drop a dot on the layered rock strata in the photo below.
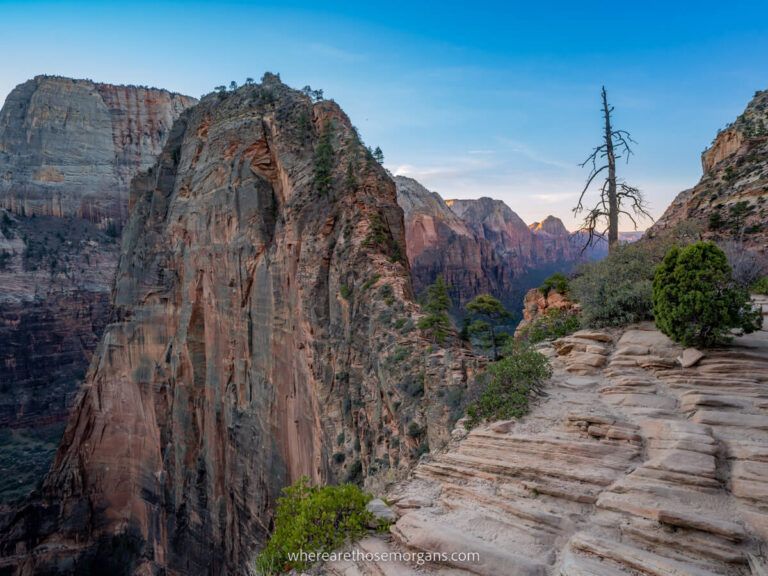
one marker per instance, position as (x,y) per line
(440,243)
(68,149)
(630,465)
(730,202)
(264,330)
(480,246)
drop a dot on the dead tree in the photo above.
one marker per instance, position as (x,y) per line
(616,196)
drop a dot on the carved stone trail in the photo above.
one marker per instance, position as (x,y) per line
(630,465)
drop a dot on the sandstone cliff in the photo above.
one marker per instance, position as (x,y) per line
(264,329)
(440,243)
(629,465)
(729,202)
(480,246)
(68,149)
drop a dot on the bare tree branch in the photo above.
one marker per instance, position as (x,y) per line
(616,197)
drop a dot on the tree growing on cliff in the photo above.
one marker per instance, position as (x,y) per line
(233,85)
(378,155)
(314,95)
(616,196)
(324,160)
(695,299)
(436,305)
(487,315)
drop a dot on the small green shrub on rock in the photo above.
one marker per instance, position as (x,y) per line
(313,519)
(760,287)
(510,382)
(695,299)
(557,282)
(618,290)
(556,323)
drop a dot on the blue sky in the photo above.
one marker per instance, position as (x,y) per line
(472,99)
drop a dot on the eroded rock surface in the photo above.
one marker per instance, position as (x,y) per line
(729,202)
(264,330)
(481,246)
(440,243)
(632,465)
(68,149)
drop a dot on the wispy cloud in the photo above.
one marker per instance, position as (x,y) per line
(527,152)
(319,48)
(481,152)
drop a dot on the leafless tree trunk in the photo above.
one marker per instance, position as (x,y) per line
(613,192)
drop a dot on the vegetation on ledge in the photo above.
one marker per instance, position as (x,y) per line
(313,519)
(510,382)
(695,299)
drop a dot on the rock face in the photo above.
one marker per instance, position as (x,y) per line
(536,304)
(440,243)
(479,246)
(263,331)
(545,245)
(630,465)
(730,200)
(68,149)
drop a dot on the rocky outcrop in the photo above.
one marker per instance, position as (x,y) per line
(480,246)
(495,222)
(729,202)
(70,147)
(630,465)
(537,304)
(440,243)
(264,330)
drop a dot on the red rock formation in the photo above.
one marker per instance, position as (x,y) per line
(730,200)
(263,330)
(68,149)
(440,243)
(499,225)
(537,304)
(552,242)
(480,246)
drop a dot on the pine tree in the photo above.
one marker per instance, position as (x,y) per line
(487,313)
(436,304)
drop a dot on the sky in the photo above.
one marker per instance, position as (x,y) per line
(472,99)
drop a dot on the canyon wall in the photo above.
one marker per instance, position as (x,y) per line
(68,149)
(730,202)
(481,246)
(263,330)
(440,243)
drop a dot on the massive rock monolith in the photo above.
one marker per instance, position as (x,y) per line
(264,330)
(68,149)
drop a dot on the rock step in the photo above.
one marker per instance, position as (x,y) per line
(632,560)
(578,451)
(453,496)
(673,513)
(420,531)
(588,470)
(697,544)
